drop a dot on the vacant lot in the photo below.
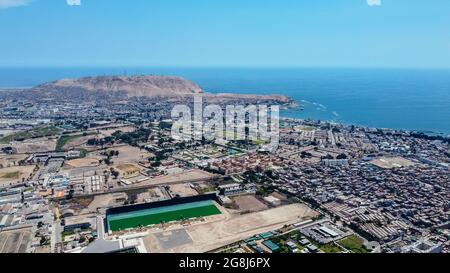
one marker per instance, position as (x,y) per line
(249,203)
(182,190)
(232,228)
(354,244)
(35,133)
(105,201)
(173,178)
(68,142)
(9,160)
(128,168)
(37,145)
(391,162)
(15,241)
(160,215)
(109,132)
(129,154)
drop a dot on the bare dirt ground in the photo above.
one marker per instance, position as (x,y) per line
(15,174)
(131,154)
(104,201)
(189,175)
(83,162)
(15,241)
(392,162)
(35,145)
(76,142)
(228,229)
(109,132)
(249,203)
(127,154)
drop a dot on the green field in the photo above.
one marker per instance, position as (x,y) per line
(160,215)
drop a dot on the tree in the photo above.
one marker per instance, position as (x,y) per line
(115,173)
(43,241)
(108,162)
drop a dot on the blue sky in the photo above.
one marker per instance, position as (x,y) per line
(255,33)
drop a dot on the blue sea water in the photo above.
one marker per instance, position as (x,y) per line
(410,99)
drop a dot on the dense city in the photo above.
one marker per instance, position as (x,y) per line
(104,177)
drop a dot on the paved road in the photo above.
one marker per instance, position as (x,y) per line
(100,228)
(56,239)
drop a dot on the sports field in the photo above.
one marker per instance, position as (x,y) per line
(134,219)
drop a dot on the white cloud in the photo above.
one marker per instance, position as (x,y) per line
(374,2)
(74,2)
(6,4)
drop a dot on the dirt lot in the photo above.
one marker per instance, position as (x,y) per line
(83,162)
(230,228)
(15,241)
(249,203)
(8,160)
(128,154)
(189,175)
(35,145)
(15,174)
(183,190)
(391,162)
(105,201)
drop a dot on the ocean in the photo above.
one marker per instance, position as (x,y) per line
(410,99)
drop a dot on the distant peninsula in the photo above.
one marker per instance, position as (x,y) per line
(128,87)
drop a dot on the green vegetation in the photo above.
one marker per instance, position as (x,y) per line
(83,153)
(34,133)
(354,244)
(206,190)
(330,248)
(63,141)
(151,218)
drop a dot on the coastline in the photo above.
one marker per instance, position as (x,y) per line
(407,131)
(400,99)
